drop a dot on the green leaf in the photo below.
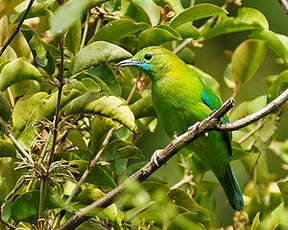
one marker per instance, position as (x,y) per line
(69,13)
(95,54)
(18,70)
(8,55)
(283,186)
(246,59)
(26,87)
(41,9)
(90,195)
(97,176)
(119,149)
(118,29)
(73,37)
(175,5)
(5,111)
(156,36)
(133,10)
(247,19)
(278,43)
(196,12)
(186,221)
(256,222)
(228,76)
(7,149)
(151,9)
(187,30)
(144,106)
(100,104)
(36,46)
(25,206)
(76,138)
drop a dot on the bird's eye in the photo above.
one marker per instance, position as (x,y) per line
(148,57)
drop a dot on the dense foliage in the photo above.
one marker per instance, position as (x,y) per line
(75,115)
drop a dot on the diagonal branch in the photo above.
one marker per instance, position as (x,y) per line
(15,32)
(211,123)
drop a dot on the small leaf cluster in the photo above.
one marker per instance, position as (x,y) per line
(59,74)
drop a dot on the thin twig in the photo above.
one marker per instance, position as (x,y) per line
(10,96)
(10,226)
(211,123)
(85,30)
(134,88)
(17,29)
(244,138)
(185,180)
(182,45)
(91,165)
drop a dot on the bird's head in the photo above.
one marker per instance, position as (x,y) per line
(152,60)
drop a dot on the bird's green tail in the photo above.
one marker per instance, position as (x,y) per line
(231,188)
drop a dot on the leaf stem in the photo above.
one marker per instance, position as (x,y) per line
(85,30)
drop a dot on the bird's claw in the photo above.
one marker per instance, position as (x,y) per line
(194,127)
(155,156)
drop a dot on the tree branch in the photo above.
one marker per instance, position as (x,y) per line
(211,123)
(17,29)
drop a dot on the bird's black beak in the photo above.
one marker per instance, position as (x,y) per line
(128,62)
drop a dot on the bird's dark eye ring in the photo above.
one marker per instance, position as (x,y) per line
(148,57)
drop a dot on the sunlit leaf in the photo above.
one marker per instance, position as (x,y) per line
(118,29)
(247,19)
(18,70)
(87,196)
(151,9)
(97,53)
(157,36)
(283,186)
(196,12)
(256,222)
(186,221)
(73,37)
(100,104)
(246,59)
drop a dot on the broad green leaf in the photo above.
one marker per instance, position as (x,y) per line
(91,85)
(283,186)
(25,206)
(151,9)
(187,30)
(25,87)
(278,43)
(36,46)
(118,29)
(187,221)
(18,70)
(205,195)
(37,10)
(73,37)
(228,76)
(99,127)
(105,77)
(246,59)
(88,196)
(76,138)
(247,19)
(256,222)
(97,53)
(196,12)
(131,9)
(144,106)
(97,176)
(156,36)
(119,149)
(5,111)
(8,55)
(69,13)
(25,108)
(7,149)
(103,105)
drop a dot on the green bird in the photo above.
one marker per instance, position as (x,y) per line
(181,98)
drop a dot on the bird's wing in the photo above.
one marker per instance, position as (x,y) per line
(212,101)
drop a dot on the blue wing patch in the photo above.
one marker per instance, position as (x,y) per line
(213,102)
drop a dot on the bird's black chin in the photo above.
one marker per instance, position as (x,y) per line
(128,62)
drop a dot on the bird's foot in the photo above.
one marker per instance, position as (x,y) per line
(155,156)
(194,127)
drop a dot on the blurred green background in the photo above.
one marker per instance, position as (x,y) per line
(211,59)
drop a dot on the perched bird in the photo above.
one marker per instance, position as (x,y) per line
(180,99)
